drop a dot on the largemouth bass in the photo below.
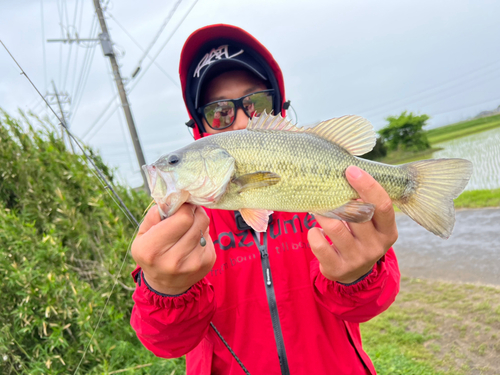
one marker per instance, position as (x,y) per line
(274,165)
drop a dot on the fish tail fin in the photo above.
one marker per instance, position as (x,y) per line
(430,198)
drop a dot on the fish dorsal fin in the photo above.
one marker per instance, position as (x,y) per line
(269,122)
(353,133)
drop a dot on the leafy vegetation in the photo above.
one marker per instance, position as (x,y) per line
(62,244)
(379,151)
(403,136)
(405,132)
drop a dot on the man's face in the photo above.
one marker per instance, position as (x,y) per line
(232,85)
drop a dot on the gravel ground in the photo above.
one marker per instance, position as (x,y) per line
(470,255)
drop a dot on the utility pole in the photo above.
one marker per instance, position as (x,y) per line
(63,117)
(60,98)
(107,49)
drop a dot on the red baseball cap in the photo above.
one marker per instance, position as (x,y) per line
(213,49)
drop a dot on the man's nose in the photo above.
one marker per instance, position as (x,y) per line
(241,121)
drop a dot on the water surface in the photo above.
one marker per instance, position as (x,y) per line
(483,150)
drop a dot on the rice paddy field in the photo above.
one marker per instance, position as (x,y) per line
(483,150)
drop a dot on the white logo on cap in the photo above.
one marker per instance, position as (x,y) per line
(215,54)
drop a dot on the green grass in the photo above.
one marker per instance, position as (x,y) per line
(462,129)
(478,199)
(436,328)
(475,199)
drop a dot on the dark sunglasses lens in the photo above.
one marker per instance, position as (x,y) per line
(219,115)
(257,103)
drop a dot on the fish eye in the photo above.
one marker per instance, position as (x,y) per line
(173,160)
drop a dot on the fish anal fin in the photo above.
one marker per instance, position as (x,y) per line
(353,212)
(257,219)
(256,180)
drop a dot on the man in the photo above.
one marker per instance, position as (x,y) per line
(287,301)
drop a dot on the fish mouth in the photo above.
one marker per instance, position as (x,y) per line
(164,190)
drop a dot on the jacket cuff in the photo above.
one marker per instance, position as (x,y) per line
(324,285)
(358,280)
(168,301)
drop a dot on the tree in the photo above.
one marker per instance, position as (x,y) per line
(378,151)
(405,132)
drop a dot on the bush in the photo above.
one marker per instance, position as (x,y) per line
(405,132)
(378,151)
(62,243)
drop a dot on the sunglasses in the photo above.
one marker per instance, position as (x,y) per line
(222,113)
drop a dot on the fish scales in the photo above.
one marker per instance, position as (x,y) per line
(312,171)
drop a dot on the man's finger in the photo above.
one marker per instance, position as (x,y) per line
(171,228)
(319,244)
(370,191)
(151,219)
(339,234)
(190,240)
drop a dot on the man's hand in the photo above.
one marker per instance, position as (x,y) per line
(356,247)
(169,251)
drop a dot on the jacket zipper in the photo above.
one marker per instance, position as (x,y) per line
(271,300)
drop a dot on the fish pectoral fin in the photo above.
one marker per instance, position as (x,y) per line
(256,180)
(353,212)
(257,219)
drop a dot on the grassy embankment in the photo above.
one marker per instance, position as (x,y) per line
(468,199)
(437,328)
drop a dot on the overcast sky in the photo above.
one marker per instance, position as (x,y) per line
(373,58)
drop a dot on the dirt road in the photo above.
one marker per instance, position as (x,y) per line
(471,254)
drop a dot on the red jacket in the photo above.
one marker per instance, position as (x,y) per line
(318,318)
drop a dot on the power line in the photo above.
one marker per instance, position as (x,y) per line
(142,49)
(87,63)
(43,46)
(378,108)
(77,32)
(62,36)
(83,81)
(101,115)
(432,100)
(75,13)
(142,74)
(65,6)
(442,97)
(162,27)
(109,106)
(469,106)
(163,46)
